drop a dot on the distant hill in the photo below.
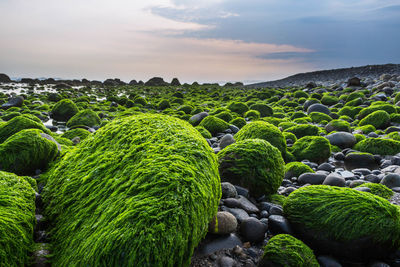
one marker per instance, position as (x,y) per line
(334,75)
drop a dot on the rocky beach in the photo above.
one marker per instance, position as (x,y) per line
(304,171)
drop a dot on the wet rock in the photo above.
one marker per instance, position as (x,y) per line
(342,139)
(13,102)
(391,180)
(328,261)
(226,140)
(318,108)
(334,180)
(252,230)
(197,118)
(311,178)
(278,224)
(223,223)
(239,214)
(228,190)
(224,242)
(360,160)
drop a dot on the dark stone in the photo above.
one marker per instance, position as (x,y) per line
(326,167)
(318,108)
(197,118)
(334,179)
(228,190)
(339,156)
(252,230)
(175,82)
(226,223)
(363,171)
(327,261)
(372,178)
(52,128)
(342,139)
(276,210)
(239,214)
(226,262)
(224,242)
(156,81)
(13,102)
(234,128)
(4,78)
(363,189)
(357,160)
(311,178)
(391,180)
(242,191)
(354,82)
(278,224)
(247,205)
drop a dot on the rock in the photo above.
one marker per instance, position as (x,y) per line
(242,191)
(326,167)
(156,81)
(334,179)
(247,205)
(391,180)
(385,77)
(328,261)
(278,224)
(226,262)
(354,82)
(363,189)
(252,230)
(51,138)
(226,140)
(4,78)
(232,203)
(339,156)
(225,242)
(342,139)
(276,210)
(362,171)
(197,118)
(356,160)
(228,190)
(378,264)
(311,178)
(318,108)
(372,178)
(234,128)
(13,102)
(76,140)
(226,223)
(239,214)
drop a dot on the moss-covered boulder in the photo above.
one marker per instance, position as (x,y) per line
(343,221)
(378,189)
(140,192)
(81,133)
(263,130)
(378,146)
(63,110)
(17,219)
(295,169)
(27,151)
(85,117)
(314,148)
(214,125)
(254,164)
(380,119)
(286,250)
(303,130)
(17,124)
(238,107)
(264,109)
(338,125)
(238,122)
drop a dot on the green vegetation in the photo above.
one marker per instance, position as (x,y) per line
(214,125)
(378,146)
(139,192)
(286,250)
(81,133)
(17,124)
(314,148)
(295,169)
(254,164)
(85,117)
(380,119)
(379,190)
(238,107)
(338,125)
(303,130)
(63,110)
(264,109)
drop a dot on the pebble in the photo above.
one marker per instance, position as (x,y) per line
(252,230)
(391,180)
(334,179)
(226,223)
(311,178)
(278,224)
(228,190)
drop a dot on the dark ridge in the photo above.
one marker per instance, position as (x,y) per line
(334,75)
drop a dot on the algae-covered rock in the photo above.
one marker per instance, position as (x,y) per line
(17,218)
(380,119)
(140,192)
(85,117)
(63,110)
(378,146)
(27,151)
(313,148)
(214,125)
(343,221)
(295,169)
(379,190)
(17,124)
(263,130)
(254,164)
(303,130)
(81,133)
(286,250)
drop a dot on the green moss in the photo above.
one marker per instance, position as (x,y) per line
(286,250)
(17,219)
(85,117)
(303,130)
(395,118)
(318,117)
(27,151)
(17,124)
(264,109)
(238,107)
(276,199)
(366,129)
(386,107)
(299,94)
(297,115)
(139,192)
(314,148)
(9,115)
(265,131)
(304,120)
(204,132)
(379,190)
(295,169)
(359,137)
(349,111)
(252,114)
(379,146)
(163,104)
(338,125)
(63,110)
(186,108)
(254,164)
(355,95)
(329,100)
(289,135)
(344,214)
(224,115)
(214,125)
(81,133)
(238,122)
(286,125)
(380,119)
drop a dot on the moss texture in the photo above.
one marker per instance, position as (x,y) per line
(344,214)
(319,117)
(254,164)
(238,122)
(380,119)
(263,130)
(27,151)
(140,192)
(338,125)
(204,132)
(264,109)
(314,148)
(286,250)
(214,125)
(386,107)
(63,110)
(295,169)
(81,133)
(17,218)
(378,146)
(303,130)
(252,114)
(17,124)
(379,190)
(85,117)
(238,107)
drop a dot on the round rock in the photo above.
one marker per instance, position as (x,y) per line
(252,230)
(342,139)
(223,223)
(391,180)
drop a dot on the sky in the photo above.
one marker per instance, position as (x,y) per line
(193,40)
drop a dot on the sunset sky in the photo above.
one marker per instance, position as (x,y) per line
(205,41)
